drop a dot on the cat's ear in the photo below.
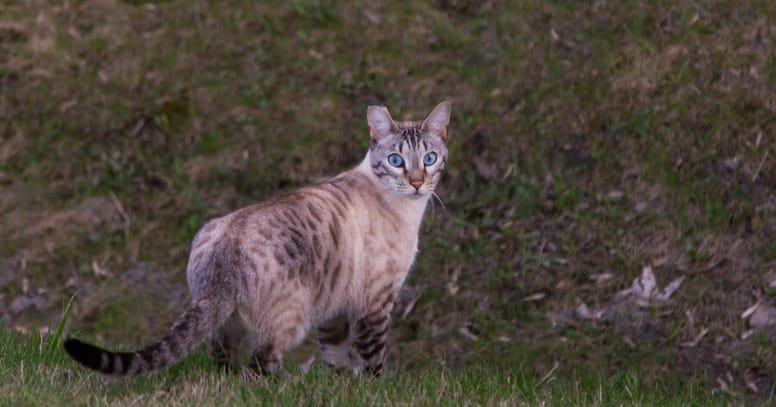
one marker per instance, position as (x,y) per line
(437,120)
(380,122)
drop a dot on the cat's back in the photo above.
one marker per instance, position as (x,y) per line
(290,231)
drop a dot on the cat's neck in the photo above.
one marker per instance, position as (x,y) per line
(411,207)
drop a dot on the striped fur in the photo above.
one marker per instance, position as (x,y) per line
(331,256)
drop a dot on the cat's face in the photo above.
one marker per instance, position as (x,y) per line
(409,157)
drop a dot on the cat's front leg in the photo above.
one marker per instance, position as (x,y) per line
(370,339)
(336,345)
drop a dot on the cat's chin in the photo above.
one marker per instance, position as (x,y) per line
(417,194)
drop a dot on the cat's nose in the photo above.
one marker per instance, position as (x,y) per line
(417,183)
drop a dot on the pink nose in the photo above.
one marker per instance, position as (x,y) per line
(417,184)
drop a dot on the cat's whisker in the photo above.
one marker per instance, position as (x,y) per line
(433,208)
(434,194)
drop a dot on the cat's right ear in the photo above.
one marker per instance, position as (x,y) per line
(380,122)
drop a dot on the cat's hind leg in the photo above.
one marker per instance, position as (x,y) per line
(226,343)
(267,360)
(267,357)
(283,328)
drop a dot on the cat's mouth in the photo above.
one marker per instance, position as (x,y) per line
(412,191)
(416,193)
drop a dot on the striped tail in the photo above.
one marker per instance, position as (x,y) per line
(191,329)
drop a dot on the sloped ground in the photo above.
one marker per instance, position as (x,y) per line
(589,141)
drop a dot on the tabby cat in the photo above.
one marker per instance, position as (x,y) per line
(331,256)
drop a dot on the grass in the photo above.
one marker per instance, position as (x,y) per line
(588,141)
(36,371)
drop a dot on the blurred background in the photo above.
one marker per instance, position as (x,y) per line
(608,205)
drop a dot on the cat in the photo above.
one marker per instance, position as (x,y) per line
(331,256)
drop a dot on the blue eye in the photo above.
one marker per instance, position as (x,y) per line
(395,160)
(430,158)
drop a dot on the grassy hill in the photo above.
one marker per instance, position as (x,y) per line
(589,140)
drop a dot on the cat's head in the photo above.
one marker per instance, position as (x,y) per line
(408,157)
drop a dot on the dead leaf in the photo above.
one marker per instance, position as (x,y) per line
(74,32)
(730,164)
(644,287)
(615,195)
(136,128)
(564,284)
(752,386)
(747,334)
(534,297)
(584,312)
(452,284)
(764,316)
(667,292)
(697,339)
(464,330)
(690,317)
(23,302)
(645,290)
(98,270)
(67,105)
(603,277)
(371,17)
(760,166)
(749,311)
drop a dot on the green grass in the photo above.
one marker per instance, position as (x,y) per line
(36,371)
(588,140)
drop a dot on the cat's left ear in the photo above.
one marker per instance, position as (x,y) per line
(437,121)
